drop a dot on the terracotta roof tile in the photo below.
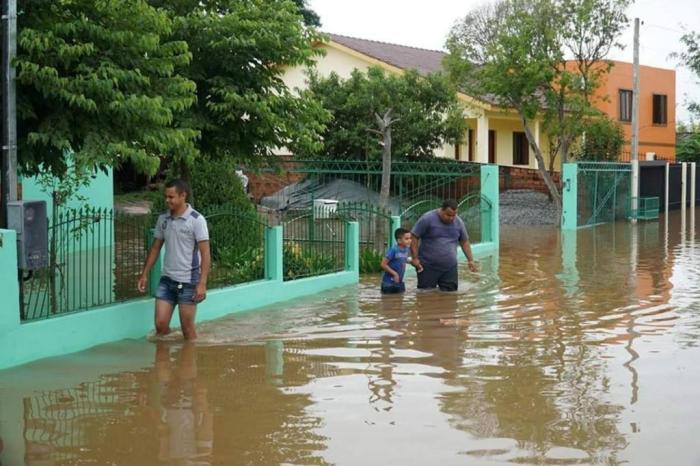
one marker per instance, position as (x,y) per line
(404,57)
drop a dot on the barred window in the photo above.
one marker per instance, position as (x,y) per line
(625,105)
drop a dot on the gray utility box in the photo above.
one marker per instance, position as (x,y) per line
(29,220)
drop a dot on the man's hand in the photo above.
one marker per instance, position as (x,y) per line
(143,280)
(397,279)
(416,263)
(473,266)
(200,292)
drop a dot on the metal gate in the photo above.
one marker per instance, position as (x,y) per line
(604,192)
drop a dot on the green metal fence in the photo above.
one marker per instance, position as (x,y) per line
(296,186)
(95,259)
(299,182)
(476,211)
(237,241)
(604,192)
(314,243)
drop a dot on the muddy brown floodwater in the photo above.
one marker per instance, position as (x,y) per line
(568,349)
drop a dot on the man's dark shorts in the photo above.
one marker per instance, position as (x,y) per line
(431,278)
(175,292)
(390,288)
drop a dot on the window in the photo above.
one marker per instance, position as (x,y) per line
(625,105)
(521,149)
(659,114)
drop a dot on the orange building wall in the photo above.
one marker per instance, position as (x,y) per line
(652,138)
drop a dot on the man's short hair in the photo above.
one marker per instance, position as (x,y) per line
(180,186)
(449,204)
(399,232)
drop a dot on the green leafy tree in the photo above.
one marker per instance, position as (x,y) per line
(691,58)
(99,80)
(425,112)
(688,148)
(239,51)
(411,116)
(514,52)
(311,18)
(602,141)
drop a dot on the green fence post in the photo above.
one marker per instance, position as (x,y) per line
(490,191)
(352,247)
(154,274)
(569,215)
(9,285)
(274,253)
(569,276)
(395,223)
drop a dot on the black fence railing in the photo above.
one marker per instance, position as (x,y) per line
(95,259)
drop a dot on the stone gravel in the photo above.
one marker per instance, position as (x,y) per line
(526,207)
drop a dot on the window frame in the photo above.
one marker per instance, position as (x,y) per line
(521,149)
(663,108)
(620,108)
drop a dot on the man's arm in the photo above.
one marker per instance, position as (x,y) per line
(150,260)
(414,253)
(467,250)
(204,251)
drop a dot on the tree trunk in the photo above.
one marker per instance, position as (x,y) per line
(384,124)
(385,128)
(541,167)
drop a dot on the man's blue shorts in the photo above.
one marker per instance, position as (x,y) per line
(175,292)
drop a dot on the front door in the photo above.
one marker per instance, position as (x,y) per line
(492,146)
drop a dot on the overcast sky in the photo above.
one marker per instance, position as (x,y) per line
(425,23)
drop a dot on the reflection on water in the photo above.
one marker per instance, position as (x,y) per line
(571,348)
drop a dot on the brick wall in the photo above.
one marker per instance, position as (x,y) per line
(524,178)
(266,184)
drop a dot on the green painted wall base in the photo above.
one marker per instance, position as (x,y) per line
(134,319)
(67,333)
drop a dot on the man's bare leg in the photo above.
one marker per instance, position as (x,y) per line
(187,313)
(164,312)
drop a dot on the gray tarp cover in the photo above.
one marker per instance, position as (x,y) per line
(301,195)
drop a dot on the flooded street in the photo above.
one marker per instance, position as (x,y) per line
(578,348)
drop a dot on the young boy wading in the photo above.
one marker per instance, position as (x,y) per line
(183,283)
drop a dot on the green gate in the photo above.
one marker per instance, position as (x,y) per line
(604,192)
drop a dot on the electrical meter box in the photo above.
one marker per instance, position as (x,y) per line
(29,220)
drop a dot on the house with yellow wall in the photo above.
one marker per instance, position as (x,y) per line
(494,134)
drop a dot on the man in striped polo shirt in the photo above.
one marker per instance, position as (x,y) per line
(183,281)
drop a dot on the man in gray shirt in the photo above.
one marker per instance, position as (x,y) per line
(434,249)
(183,281)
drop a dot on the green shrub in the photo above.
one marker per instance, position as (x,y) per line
(236,239)
(233,267)
(214,183)
(602,142)
(305,262)
(370,261)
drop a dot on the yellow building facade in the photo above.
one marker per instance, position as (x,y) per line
(494,134)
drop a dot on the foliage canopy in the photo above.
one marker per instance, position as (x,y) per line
(425,108)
